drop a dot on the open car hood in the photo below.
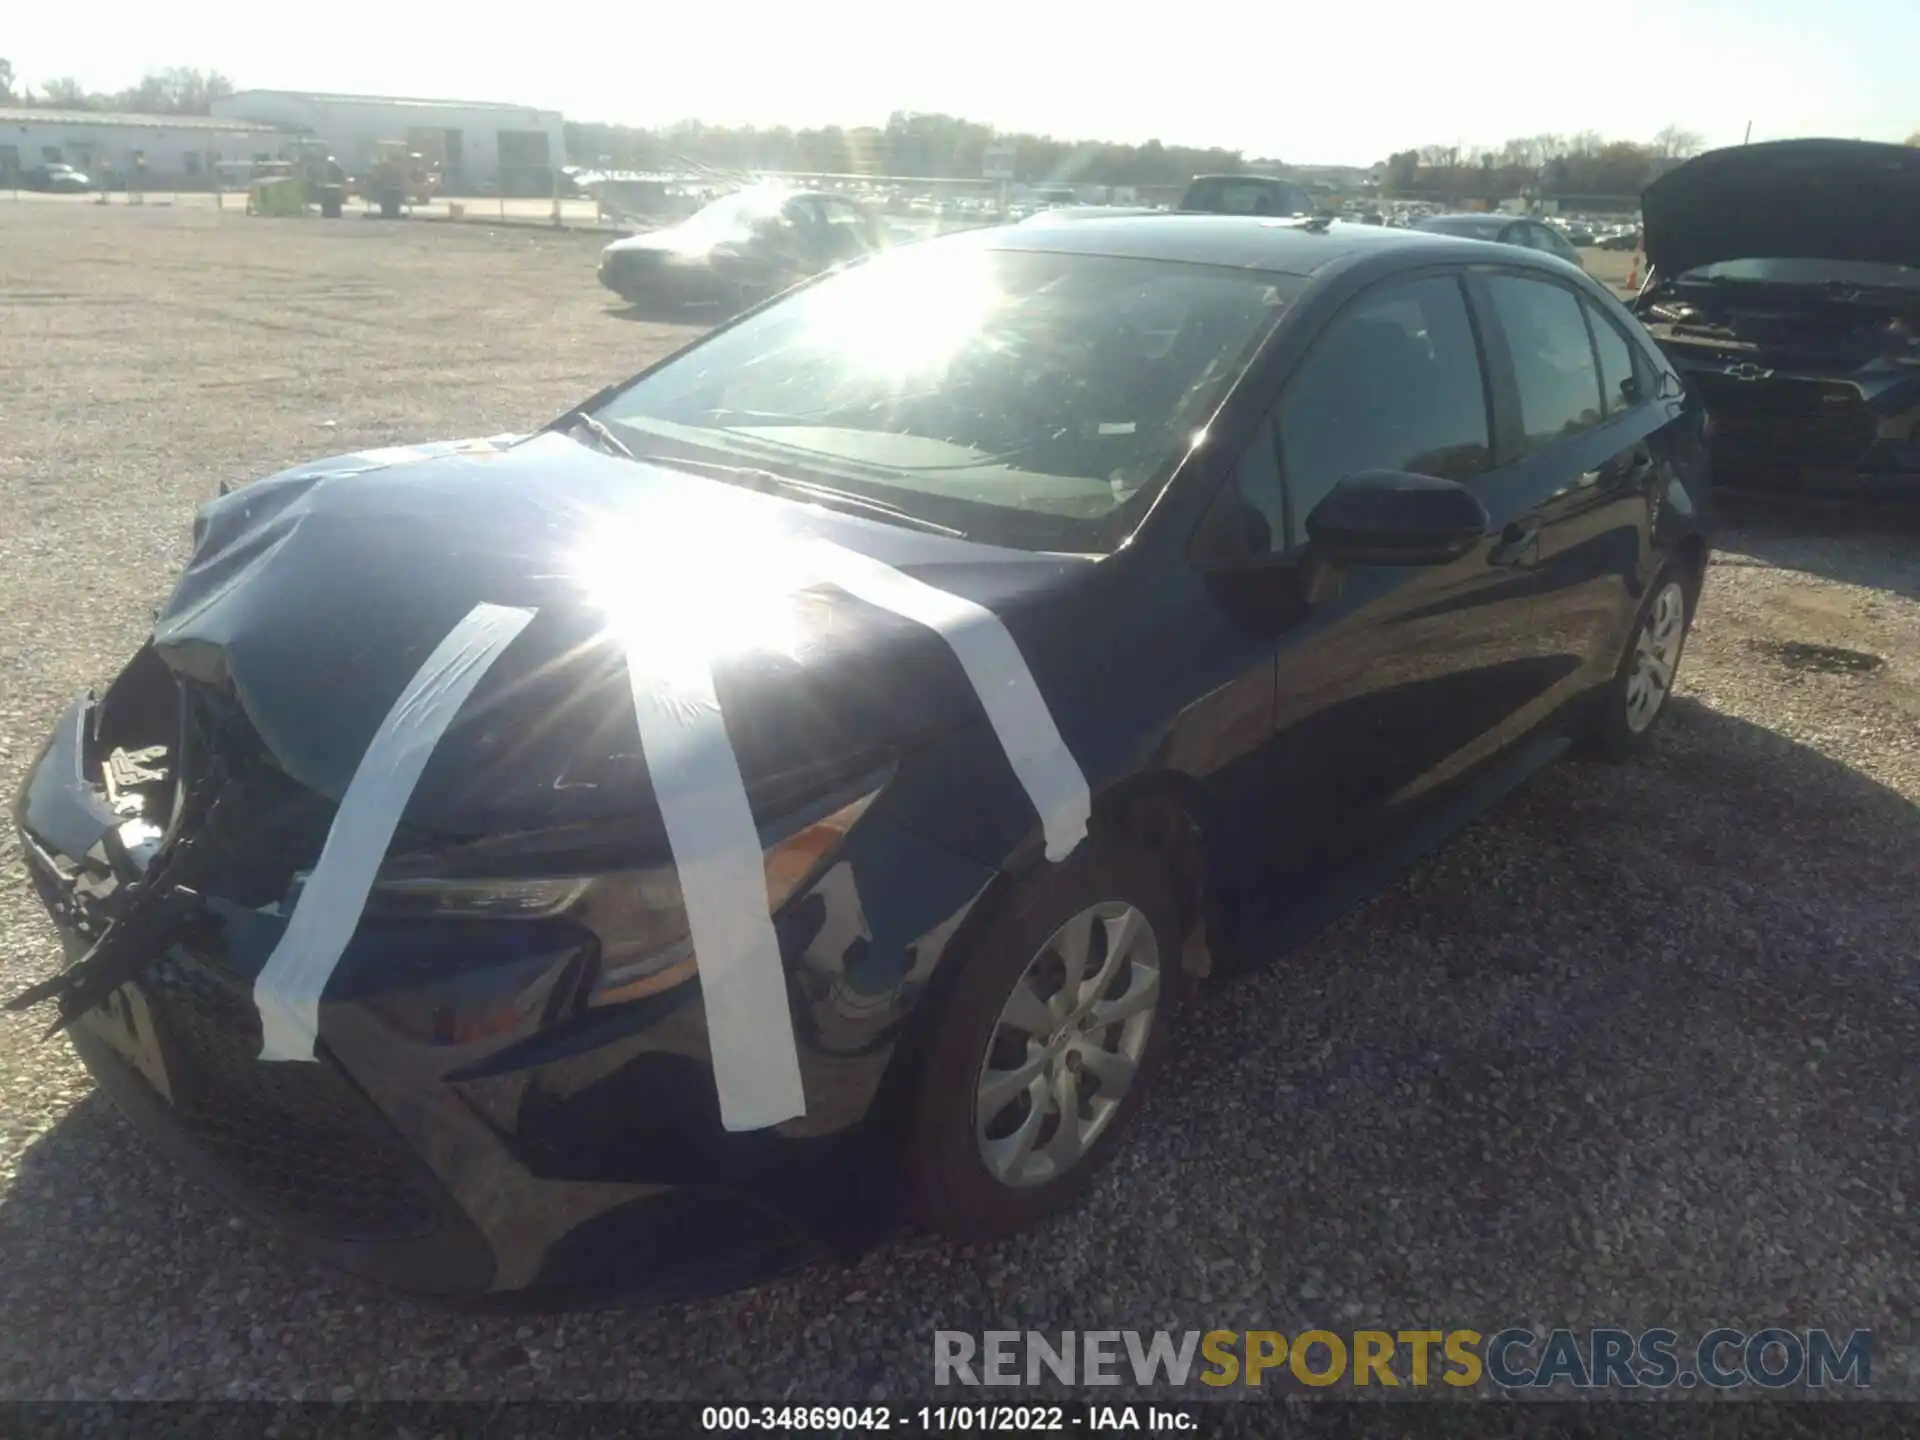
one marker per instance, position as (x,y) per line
(1787,199)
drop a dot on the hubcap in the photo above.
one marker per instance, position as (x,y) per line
(1656,652)
(1067,1045)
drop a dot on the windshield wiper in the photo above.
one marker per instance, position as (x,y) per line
(764,481)
(600,430)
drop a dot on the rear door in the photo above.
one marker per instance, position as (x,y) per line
(1571,494)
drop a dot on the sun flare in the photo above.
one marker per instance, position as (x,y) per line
(908,315)
(683,586)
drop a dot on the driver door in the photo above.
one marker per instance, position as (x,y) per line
(1386,675)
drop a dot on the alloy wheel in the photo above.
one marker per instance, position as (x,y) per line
(1656,654)
(1068,1045)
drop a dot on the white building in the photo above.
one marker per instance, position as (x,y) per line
(179,150)
(481,148)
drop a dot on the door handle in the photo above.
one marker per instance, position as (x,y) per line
(1633,469)
(1639,464)
(1518,545)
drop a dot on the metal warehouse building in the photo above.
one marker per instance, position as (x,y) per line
(481,148)
(179,150)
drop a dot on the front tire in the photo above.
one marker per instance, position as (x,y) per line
(1047,1044)
(1640,692)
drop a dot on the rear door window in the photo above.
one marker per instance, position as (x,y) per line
(1395,383)
(1553,363)
(1247,197)
(1623,370)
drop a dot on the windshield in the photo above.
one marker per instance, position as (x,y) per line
(1866,274)
(731,214)
(1024,399)
(1475,226)
(1247,197)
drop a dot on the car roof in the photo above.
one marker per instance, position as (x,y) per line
(1250,242)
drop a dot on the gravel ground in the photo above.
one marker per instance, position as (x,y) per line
(1635,1050)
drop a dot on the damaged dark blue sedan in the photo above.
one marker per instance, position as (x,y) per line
(794,789)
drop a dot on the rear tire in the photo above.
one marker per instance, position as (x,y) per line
(1640,693)
(1019,1051)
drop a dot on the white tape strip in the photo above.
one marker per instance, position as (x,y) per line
(288,989)
(703,804)
(723,884)
(1013,702)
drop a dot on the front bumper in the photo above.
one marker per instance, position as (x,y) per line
(1885,470)
(1788,431)
(581,1154)
(694,279)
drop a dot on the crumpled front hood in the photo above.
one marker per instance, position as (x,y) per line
(315,596)
(1798,199)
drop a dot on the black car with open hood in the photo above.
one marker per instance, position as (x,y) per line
(795,786)
(1784,282)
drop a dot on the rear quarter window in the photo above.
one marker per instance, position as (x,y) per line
(1624,373)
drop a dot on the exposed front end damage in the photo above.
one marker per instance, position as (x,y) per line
(159,836)
(484,1111)
(469,1125)
(1807,392)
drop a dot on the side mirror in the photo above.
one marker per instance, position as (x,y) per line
(1394,517)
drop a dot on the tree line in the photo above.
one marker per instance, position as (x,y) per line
(923,145)
(1586,164)
(1546,165)
(176,90)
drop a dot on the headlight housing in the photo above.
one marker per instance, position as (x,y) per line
(637,916)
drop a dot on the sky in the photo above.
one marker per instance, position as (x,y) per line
(1337,84)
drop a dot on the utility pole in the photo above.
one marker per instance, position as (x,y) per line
(1748,137)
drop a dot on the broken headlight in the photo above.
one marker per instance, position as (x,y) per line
(638,917)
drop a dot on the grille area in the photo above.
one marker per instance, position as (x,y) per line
(1787,422)
(300,1139)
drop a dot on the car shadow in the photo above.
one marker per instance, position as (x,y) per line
(1636,1047)
(666,311)
(1872,545)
